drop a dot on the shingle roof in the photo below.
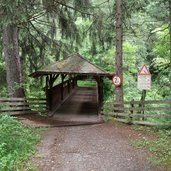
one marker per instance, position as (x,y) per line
(74,64)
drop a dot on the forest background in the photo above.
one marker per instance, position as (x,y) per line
(50,30)
(35,33)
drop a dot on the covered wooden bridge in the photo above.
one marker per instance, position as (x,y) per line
(64,96)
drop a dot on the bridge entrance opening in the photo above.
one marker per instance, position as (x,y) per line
(80,106)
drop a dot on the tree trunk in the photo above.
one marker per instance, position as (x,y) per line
(118,58)
(12,61)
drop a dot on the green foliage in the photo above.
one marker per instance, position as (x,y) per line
(161,61)
(17,143)
(86,83)
(160,146)
(53,29)
(140,144)
(16,12)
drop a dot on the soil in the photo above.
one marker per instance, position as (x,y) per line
(99,147)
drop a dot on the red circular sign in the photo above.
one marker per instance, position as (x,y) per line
(116,80)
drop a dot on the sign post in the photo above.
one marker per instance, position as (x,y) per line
(144,78)
(144,83)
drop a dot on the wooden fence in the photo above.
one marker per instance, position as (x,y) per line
(19,106)
(149,112)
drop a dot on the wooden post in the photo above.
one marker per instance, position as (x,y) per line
(62,87)
(143,100)
(50,91)
(68,86)
(132,111)
(47,93)
(100,93)
(49,85)
(101,90)
(72,81)
(73,86)
(75,82)
(142,104)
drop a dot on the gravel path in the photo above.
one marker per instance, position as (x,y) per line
(102,147)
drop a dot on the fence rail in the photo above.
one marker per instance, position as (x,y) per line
(149,112)
(19,106)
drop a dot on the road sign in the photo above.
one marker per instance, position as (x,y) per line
(144,78)
(144,70)
(116,80)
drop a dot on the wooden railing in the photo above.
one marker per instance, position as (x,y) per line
(149,112)
(19,106)
(59,93)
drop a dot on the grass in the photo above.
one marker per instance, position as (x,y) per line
(86,83)
(17,143)
(160,146)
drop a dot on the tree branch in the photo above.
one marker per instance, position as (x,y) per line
(70,7)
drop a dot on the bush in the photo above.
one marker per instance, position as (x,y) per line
(17,143)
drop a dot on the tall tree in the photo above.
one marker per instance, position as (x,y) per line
(119,51)
(29,16)
(11,15)
(12,61)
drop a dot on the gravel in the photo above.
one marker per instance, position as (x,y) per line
(103,147)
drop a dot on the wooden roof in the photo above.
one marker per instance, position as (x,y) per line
(74,64)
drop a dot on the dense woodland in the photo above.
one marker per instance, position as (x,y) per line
(37,33)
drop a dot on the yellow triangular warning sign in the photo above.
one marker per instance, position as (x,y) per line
(144,70)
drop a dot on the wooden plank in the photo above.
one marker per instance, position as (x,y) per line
(137,115)
(22,112)
(141,108)
(14,109)
(151,115)
(36,99)
(22,103)
(22,108)
(13,100)
(142,102)
(149,102)
(38,107)
(21,99)
(13,103)
(145,123)
(115,114)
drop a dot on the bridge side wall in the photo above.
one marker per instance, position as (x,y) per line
(59,94)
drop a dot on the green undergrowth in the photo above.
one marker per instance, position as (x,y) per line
(159,145)
(17,144)
(86,83)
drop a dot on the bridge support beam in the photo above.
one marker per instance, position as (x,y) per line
(99,81)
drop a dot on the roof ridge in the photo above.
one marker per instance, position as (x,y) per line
(75,63)
(91,63)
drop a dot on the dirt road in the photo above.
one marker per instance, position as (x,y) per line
(103,147)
